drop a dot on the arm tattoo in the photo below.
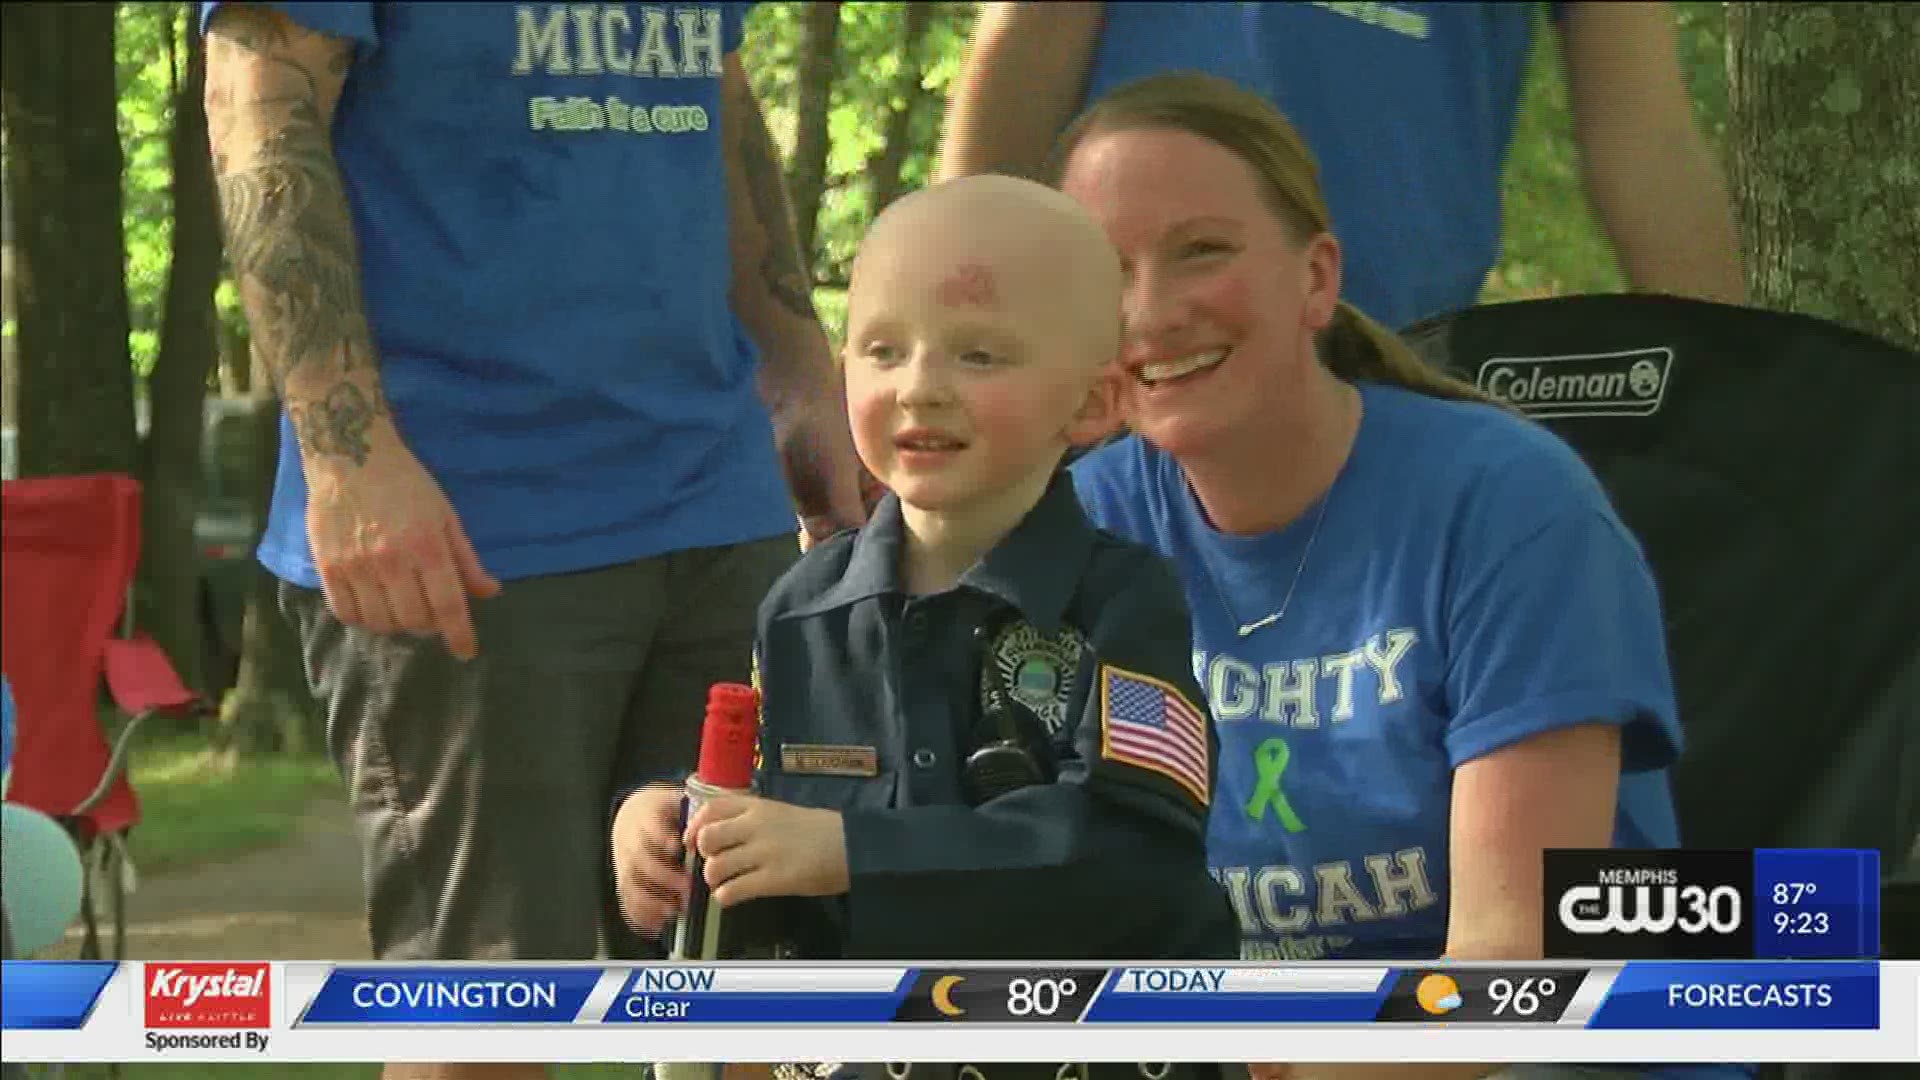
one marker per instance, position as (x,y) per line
(289,234)
(290,238)
(781,268)
(336,425)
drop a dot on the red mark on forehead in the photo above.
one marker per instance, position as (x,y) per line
(970,285)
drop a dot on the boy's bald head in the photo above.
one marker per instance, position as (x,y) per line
(1000,244)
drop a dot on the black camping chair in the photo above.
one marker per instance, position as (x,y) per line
(1770,465)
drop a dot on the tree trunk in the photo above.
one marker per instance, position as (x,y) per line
(907,94)
(58,101)
(1824,128)
(177,389)
(807,170)
(269,708)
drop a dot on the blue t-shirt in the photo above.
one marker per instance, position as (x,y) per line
(541,212)
(1409,108)
(1470,586)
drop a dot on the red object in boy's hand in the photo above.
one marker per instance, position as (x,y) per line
(729,736)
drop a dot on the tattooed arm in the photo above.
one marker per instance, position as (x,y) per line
(389,548)
(772,295)
(271,90)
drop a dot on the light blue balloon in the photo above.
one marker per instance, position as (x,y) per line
(40,877)
(6,733)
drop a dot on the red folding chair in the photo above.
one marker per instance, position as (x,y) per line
(70,546)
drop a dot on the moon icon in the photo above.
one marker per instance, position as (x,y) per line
(943,995)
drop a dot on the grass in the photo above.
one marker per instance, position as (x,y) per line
(198,806)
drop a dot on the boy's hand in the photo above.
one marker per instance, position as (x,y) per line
(758,847)
(648,873)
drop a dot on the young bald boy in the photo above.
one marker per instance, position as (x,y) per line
(980,738)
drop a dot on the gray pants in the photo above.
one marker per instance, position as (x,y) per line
(481,791)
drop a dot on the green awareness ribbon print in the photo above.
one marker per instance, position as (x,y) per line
(1270,762)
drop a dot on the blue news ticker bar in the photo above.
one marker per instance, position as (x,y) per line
(1649,995)
(452,995)
(1745,995)
(663,1003)
(747,1007)
(1816,904)
(1234,1008)
(51,995)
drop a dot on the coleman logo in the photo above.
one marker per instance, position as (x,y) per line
(1631,383)
(208,995)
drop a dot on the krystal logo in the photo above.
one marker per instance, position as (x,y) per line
(209,995)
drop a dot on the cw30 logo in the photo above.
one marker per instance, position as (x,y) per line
(1650,909)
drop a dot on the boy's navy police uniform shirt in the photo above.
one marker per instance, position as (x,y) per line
(872,700)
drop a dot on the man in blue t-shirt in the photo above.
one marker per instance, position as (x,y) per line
(527,283)
(1409,108)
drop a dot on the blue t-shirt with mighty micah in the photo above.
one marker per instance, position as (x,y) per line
(1469,586)
(540,206)
(1408,107)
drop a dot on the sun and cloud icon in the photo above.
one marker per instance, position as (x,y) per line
(1438,995)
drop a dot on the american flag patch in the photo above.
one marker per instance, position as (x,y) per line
(1149,724)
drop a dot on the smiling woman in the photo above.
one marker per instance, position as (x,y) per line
(1260,200)
(1430,647)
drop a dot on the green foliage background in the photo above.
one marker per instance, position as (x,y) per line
(150,60)
(1551,243)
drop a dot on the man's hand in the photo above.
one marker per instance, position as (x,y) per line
(758,847)
(811,434)
(772,293)
(648,875)
(392,555)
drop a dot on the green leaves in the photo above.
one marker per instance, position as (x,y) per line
(149,57)
(866,65)
(1551,244)
(1551,241)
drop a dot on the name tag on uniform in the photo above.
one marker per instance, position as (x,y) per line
(813,759)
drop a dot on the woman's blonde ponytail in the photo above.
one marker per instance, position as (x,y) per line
(1353,346)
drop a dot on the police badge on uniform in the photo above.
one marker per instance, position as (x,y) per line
(1035,669)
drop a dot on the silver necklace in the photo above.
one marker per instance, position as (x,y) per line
(1281,612)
